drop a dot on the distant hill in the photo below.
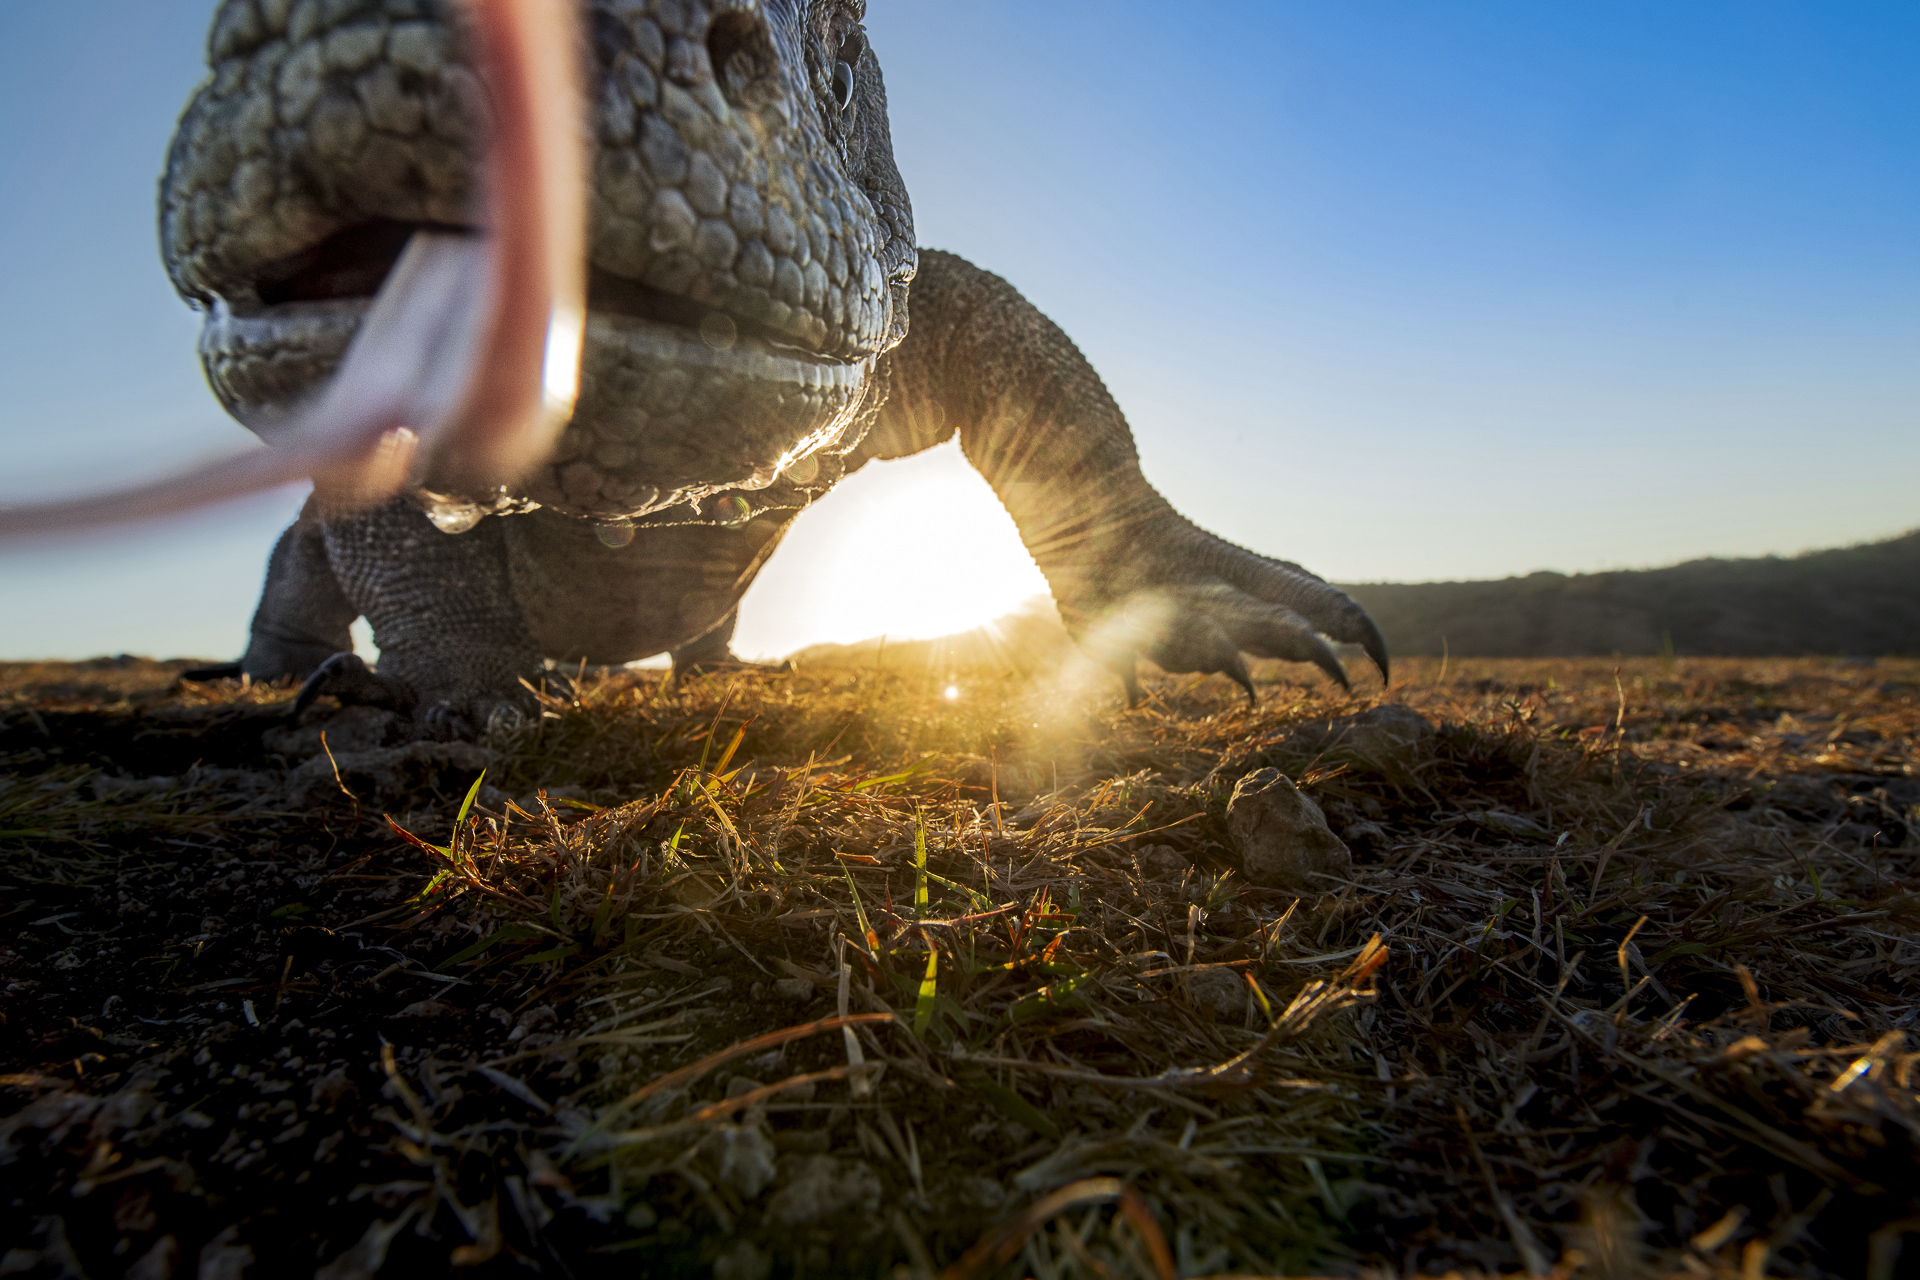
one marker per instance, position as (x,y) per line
(1026,639)
(1862,600)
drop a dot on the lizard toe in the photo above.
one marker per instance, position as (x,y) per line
(1209,629)
(1308,598)
(443,722)
(447,720)
(503,719)
(349,680)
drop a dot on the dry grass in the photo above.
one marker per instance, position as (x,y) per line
(833,973)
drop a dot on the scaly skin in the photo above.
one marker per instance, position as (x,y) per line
(751,256)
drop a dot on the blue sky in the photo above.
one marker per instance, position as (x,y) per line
(1399,290)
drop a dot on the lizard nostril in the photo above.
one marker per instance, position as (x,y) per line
(740,48)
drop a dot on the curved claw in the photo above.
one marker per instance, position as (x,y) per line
(1316,602)
(448,721)
(1324,658)
(1238,673)
(1209,630)
(346,677)
(1275,631)
(1302,645)
(1375,644)
(442,722)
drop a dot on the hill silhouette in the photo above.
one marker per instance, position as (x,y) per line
(1852,600)
(1860,600)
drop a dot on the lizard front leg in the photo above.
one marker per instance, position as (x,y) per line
(303,616)
(1132,576)
(454,647)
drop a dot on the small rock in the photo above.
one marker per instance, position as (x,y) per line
(821,1186)
(224,1258)
(387,775)
(1162,862)
(743,1262)
(539,1018)
(793,989)
(1391,739)
(157,1263)
(348,731)
(1509,824)
(985,1192)
(1368,835)
(803,1092)
(746,1158)
(1221,992)
(1282,836)
(427,1009)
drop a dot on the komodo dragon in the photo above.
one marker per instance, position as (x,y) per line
(751,264)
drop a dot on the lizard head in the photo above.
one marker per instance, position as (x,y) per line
(750,242)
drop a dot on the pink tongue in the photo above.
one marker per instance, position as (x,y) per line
(465,368)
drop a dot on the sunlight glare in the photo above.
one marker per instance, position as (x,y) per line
(911,549)
(952,693)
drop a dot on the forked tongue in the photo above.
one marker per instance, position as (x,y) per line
(465,367)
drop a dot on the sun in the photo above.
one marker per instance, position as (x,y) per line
(910,549)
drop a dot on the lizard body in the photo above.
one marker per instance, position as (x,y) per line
(760,324)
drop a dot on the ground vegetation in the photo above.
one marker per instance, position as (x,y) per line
(938,961)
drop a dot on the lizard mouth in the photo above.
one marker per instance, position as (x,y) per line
(351,265)
(678,400)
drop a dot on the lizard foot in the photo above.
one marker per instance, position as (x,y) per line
(345,677)
(1207,604)
(454,718)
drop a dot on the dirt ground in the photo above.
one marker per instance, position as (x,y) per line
(918,967)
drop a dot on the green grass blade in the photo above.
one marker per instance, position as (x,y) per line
(1019,1110)
(551,953)
(919,865)
(726,757)
(466,806)
(905,775)
(860,913)
(427,891)
(929,994)
(505,933)
(1266,1005)
(981,901)
(601,916)
(706,747)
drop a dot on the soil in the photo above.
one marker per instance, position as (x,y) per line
(590,999)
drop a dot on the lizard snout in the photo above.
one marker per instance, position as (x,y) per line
(749,243)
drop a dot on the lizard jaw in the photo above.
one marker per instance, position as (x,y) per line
(679,402)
